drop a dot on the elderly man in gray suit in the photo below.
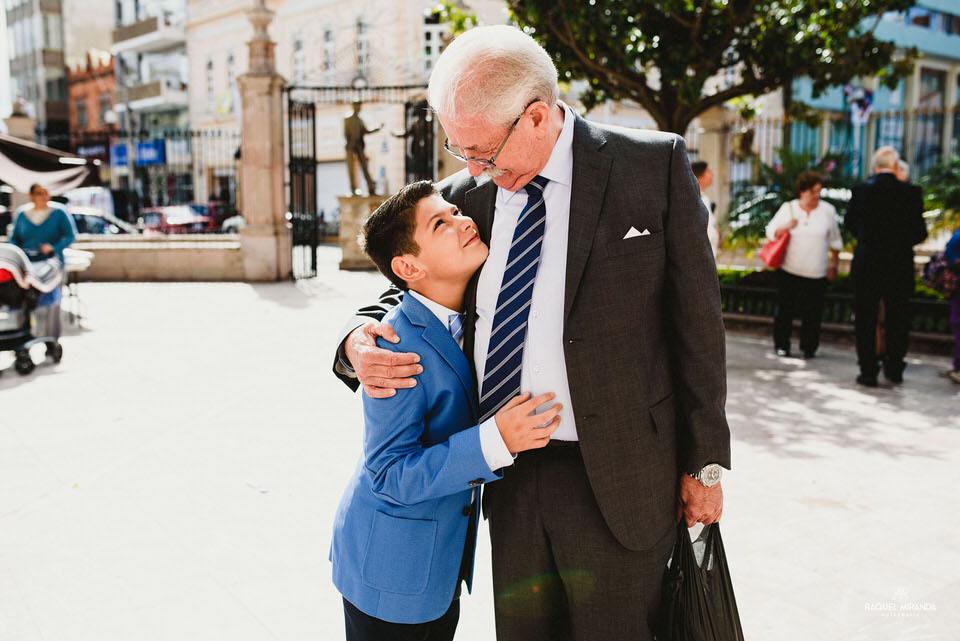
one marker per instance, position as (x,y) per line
(601,287)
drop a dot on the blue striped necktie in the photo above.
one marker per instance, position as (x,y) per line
(501,375)
(455,325)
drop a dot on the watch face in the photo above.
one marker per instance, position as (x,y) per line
(710,475)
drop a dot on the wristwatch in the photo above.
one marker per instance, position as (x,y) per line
(709,475)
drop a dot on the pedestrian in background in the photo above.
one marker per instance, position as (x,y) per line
(886,217)
(810,261)
(704,175)
(952,254)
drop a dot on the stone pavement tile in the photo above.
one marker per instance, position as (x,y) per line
(175,478)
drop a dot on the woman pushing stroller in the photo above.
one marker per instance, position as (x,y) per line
(43,229)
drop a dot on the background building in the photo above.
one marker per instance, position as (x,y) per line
(149,45)
(90,87)
(34,35)
(340,44)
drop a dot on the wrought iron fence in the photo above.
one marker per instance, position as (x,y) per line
(921,136)
(927,316)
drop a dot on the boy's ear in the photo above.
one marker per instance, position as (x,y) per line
(407,268)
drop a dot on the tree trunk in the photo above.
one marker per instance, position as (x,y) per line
(787,104)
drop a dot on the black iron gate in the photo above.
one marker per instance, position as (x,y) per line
(419,142)
(302,144)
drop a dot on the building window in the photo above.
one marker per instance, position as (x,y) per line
(920,17)
(329,52)
(211,88)
(299,60)
(103,107)
(363,48)
(52,31)
(951,24)
(932,89)
(433,33)
(231,84)
(82,114)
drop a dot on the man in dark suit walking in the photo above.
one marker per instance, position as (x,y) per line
(600,286)
(886,216)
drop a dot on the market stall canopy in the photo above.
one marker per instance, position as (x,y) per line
(24,163)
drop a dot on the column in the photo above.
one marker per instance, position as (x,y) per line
(265,239)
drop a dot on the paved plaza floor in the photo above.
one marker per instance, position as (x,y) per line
(175,479)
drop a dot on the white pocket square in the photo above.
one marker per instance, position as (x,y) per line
(633,233)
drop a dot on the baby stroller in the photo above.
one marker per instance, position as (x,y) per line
(29,305)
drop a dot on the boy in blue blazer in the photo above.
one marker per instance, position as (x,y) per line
(405,531)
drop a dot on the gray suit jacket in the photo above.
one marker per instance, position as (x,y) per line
(643,333)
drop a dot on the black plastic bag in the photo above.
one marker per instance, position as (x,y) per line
(698,602)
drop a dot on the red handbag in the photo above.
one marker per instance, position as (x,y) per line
(773,251)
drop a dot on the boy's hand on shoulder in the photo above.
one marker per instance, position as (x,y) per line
(520,429)
(380,371)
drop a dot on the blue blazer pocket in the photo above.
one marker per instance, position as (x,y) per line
(399,553)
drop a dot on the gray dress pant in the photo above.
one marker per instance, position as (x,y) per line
(558,572)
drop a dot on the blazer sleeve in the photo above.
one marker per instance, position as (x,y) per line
(918,226)
(387,301)
(851,219)
(403,470)
(695,324)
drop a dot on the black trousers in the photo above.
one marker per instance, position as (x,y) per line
(363,627)
(803,296)
(558,572)
(894,287)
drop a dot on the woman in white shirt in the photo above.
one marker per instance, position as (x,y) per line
(810,261)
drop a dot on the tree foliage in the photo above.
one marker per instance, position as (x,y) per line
(667,55)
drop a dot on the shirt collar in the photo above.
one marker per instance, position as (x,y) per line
(559,167)
(438,310)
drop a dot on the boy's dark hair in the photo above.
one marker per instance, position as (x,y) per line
(698,167)
(389,230)
(806,180)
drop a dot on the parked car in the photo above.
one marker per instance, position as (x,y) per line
(90,220)
(218,210)
(232,225)
(174,219)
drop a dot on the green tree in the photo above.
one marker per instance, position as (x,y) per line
(941,189)
(662,54)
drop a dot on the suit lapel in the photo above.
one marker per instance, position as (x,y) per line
(479,204)
(591,169)
(438,337)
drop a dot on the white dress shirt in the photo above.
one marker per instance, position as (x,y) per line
(811,240)
(544,368)
(491,443)
(713,225)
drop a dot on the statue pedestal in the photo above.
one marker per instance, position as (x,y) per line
(354,211)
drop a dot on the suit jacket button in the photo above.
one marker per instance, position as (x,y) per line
(466,510)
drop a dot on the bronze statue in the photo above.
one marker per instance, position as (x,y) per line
(354,130)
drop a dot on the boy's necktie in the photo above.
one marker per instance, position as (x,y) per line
(501,375)
(455,325)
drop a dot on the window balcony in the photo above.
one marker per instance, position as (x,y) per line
(150,34)
(158,95)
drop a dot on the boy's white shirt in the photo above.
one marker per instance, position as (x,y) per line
(494,450)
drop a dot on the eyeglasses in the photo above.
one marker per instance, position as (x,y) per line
(483,162)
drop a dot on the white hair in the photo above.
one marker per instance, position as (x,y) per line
(493,72)
(904,167)
(885,158)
